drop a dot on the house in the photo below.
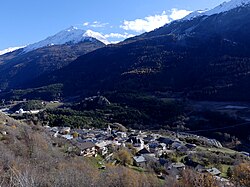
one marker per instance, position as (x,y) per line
(20,111)
(175,169)
(140,161)
(176,144)
(34,111)
(136,142)
(143,151)
(156,148)
(197,166)
(102,147)
(65,130)
(165,140)
(122,134)
(54,129)
(200,168)
(152,146)
(87,149)
(191,146)
(148,138)
(182,149)
(102,150)
(66,136)
(109,130)
(214,171)
(178,166)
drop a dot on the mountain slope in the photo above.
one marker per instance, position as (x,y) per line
(224,7)
(28,66)
(25,64)
(204,58)
(71,35)
(231,25)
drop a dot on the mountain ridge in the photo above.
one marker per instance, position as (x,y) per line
(71,35)
(224,7)
(204,58)
(10,49)
(17,67)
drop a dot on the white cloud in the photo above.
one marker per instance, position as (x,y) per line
(178,14)
(147,24)
(86,24)
(97,24)
(150,23)
(119,36)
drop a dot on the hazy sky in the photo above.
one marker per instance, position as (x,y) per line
(27,21)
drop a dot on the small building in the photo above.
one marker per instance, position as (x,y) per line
(175,169)
(87,149)
(176,144)
(155,146)
(165,140)
(178,166)
(66,136)
(34,111)
(191,146)
(138,143)
(20,111)
(191,163)
(122,134)
(143,151)
(182,149)
(65,130)
(148,138)
(109,130)
(214,171)
(102,147)
(200,168)
(140,161)
(54,129)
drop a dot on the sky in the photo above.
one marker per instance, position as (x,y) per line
(27,21)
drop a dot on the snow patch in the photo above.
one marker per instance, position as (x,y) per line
(69,35)
(10,49)
(224,7)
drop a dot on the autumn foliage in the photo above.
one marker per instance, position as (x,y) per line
(241,174)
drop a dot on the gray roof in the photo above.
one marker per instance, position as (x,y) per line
(214,171)
(143,151)
(165,140)
(177,165)
(139,159)
(85,145)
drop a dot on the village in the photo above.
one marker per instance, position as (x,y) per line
(146,148)
(164,152)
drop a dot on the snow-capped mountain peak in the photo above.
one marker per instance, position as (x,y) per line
(96,35)
(72,28)
(10,49)
(224,7)
(69,35)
